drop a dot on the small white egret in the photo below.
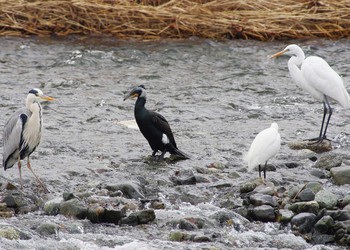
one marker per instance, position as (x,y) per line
(22,133)
(264,147)
(315,76)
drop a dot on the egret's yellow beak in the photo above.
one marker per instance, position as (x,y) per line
(278,54)
(47,98)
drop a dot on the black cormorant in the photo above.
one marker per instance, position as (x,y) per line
(154,126)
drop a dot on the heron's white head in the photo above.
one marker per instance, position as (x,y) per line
(290,50)
(136,92)
(36,95)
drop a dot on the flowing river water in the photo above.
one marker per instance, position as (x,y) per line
(216,96)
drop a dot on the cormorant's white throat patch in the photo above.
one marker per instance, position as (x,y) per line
(165,139)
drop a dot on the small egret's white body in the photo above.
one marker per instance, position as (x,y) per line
(314,75)
(264,147)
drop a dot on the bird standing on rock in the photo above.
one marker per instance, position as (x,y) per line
(314,75)
(154,126)
(264,147)
(22,133)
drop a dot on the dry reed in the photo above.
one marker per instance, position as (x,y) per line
(154,19)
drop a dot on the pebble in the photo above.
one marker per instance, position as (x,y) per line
(325,224)
(303,222)
(263,199)
(284,215)
(326,199)
(341,175)
(47,228)
(329,161)
(305,206)
(267,188)
(306,195)
(264,213)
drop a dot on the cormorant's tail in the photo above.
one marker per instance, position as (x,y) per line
(178,152)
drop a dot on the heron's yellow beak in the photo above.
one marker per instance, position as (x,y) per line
(278,54)
(47,98)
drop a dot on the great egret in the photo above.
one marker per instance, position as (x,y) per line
(315,76)
(154,126)
(22,133)
(264,147)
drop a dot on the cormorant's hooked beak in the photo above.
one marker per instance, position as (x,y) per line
(132,94)
(47,98)
(278,54)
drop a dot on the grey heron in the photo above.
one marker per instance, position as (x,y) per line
(22,133)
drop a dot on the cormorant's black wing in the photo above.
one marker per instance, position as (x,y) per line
(163,126)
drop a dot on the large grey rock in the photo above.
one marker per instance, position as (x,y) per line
(329,161)
(267,188)
(308,206)
(303,222)
(47,228)
(259,199)
(74,208)
(314,186)
(264,213)
(52,207)
(326,199)
(129,189)
(139,217)
(306,195)
(284,215)
(325,224)
(341,175)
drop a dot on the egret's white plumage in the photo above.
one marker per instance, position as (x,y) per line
(264,147)
(314,75)
(22,132)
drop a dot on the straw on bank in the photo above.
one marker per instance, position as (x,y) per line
(155,19)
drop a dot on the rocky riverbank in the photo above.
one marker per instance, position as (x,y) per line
(308,209)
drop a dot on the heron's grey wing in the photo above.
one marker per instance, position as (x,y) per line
(13,135)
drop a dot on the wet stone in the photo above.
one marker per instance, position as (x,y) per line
(186,225)
(177,236)
(250,186)
(68,196)
(263,199)
(329,161)
(9,233)
(130,190)
(47,228)
(52,207)
(305,206)
(325,146)
(284,215)
(341,175)
(319,238)
(319,173)
(339,215)
(264,213)
(303,222)
(314,186)
(267,188)
(306,195)
(292,165)
(325,224)
(139,217)
(201,238)
(326,199)
(73,208)
(185,177)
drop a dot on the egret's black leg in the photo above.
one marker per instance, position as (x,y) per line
(154,153)
(320,138)
(265,170)
(329,117)
(259,170)
(161,157)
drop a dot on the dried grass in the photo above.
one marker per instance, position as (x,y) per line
(154,19)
